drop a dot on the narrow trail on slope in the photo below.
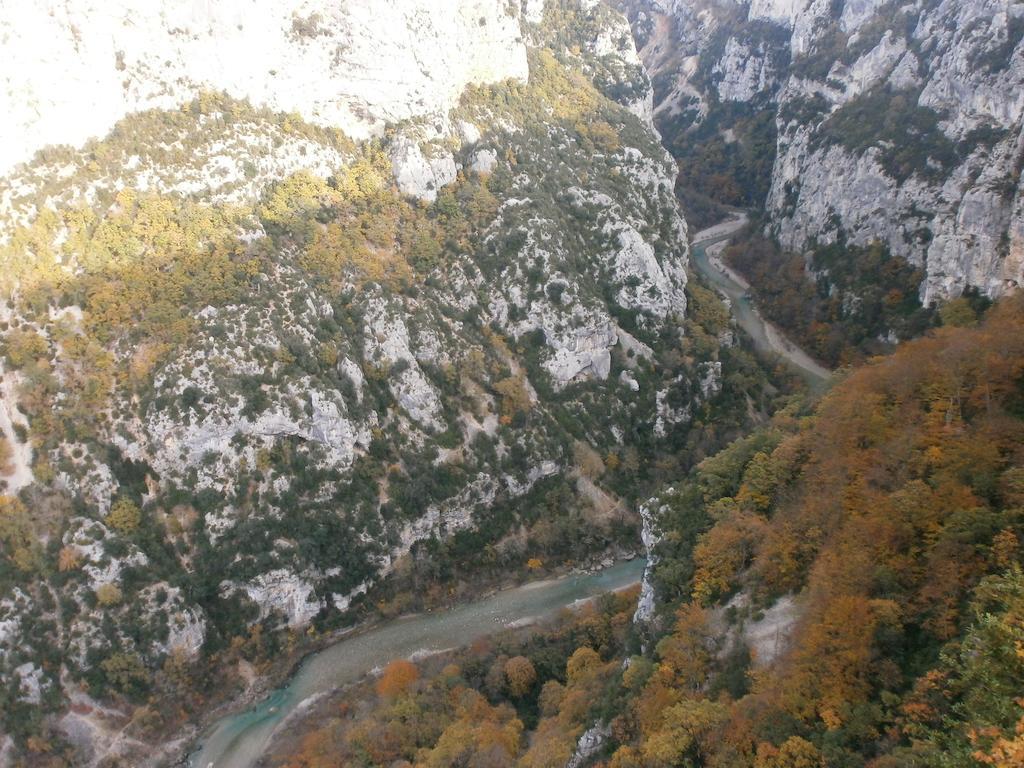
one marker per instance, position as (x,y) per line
(708,245)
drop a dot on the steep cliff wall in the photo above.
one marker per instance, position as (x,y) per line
(898,122)
(72,69)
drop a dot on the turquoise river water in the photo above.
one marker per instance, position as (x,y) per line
(238,740)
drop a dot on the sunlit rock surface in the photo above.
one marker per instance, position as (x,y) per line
(354,64)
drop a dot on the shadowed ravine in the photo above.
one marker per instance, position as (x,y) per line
(238,741)
(767,338)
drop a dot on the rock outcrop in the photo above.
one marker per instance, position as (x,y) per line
(650,536)
(591,743)
(420,176)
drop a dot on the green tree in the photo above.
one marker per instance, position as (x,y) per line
(125,672)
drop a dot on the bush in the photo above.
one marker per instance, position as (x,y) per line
(124,516)
(108,595)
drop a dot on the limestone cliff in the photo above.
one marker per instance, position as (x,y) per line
(72,69)
(863,120)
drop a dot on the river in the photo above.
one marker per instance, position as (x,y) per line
(708,245)
(238,741)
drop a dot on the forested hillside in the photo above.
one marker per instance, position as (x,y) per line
(843,587)
(870,549)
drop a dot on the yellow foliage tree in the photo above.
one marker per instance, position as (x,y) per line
(795,752)
(520,676)
(17,534)
(582,664)
(685,653)
(124,516)
(683,727)
(24,346)
(723,552)
(515,397)
(108,595)
(294,202)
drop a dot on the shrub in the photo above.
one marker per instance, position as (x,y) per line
(108,595)
(124,516)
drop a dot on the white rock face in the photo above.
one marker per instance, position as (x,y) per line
(417,175)
(388,343)
(533,11)
(744,73)
(284,593)
(12,609)
(17,473)
(354,64)
(780,11)
(590,743)
(648,284)
(187,445)
(710,382)
(174,444)
(968,211)
(186,632)
(668,415)
(870,69)
(650,536)
(484,161)
(585,352)
(30,686)
(768,638)
(87,538)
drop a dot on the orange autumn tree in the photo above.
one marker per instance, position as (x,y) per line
(520,676)
(397,678)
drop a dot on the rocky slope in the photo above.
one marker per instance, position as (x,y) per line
(253,360)
(858,120)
